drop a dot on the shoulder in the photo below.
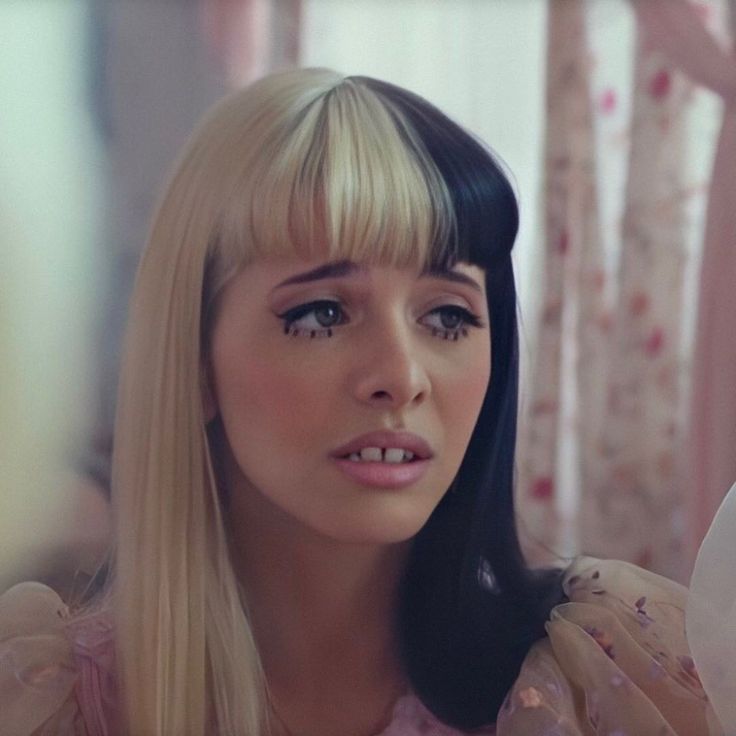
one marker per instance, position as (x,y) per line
(56,670)
(615,659)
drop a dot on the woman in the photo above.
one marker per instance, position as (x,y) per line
(313,462)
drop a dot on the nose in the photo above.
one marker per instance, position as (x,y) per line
(390,370)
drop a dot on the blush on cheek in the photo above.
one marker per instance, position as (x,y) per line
(286,402)
(468,393)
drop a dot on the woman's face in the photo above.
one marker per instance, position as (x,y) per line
(309,357)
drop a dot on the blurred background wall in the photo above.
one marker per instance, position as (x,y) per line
(52,193)
(96,96)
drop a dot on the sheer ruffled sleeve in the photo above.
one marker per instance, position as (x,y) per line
(38,672)
(616,661)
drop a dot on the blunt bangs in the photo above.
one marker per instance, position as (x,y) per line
(325,166)
(340,177)
(484,207)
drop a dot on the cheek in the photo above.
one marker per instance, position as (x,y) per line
(463,397)
(261,398)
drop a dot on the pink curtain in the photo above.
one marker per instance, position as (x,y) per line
(572,259)
(677,29)
(607,400)
(631,434)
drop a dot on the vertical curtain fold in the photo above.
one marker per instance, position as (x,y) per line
(630,497)
(634,453)
(571,254)
(676,28)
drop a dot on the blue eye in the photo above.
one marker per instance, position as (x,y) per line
(315,319)
(452,322)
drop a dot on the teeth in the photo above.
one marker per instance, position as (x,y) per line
(392,455)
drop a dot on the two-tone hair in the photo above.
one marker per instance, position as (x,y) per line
(318,164)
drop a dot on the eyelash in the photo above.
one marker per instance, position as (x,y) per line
(296,313)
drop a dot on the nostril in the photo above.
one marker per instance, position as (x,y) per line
(381,395)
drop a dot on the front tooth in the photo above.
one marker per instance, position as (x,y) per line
(371,454)
(393,455)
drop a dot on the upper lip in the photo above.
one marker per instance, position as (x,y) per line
(384,439)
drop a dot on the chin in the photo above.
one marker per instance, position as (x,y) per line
(382,529)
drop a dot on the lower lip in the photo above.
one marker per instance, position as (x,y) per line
(383,475)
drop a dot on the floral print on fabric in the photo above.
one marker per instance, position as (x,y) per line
(616,661)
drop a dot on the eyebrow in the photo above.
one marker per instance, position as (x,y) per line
(326,271)
(338,269)
(455,276)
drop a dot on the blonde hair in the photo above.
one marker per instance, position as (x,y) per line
(306,162)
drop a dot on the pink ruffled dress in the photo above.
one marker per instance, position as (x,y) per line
(615,662)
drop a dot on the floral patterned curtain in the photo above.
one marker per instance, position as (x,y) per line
(608,391)
(676,28)
(570,222)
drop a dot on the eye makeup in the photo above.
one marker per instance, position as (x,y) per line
(459,318)
(327,313)
(320,318)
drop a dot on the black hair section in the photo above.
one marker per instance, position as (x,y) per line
(471,608)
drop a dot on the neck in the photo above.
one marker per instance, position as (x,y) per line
(308,594)
(323,615)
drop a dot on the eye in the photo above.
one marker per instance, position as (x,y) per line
(450,321)
(315,319)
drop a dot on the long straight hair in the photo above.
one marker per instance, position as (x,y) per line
(313,163)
